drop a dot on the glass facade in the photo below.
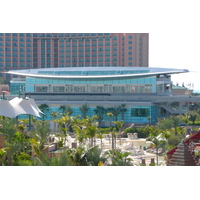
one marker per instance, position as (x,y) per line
(127,115)
(88,85)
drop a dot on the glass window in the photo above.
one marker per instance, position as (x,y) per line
(140,112)
(130,48)
(129,42)
(130,37)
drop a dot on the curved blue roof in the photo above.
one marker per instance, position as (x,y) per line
(95,72)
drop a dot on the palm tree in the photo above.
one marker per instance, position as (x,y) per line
(54,115)
(100,135)
(123,110)
(43,107)
(69,110)
(91,132)
(100,112)
(80,133)
(39,137)
(119,126)
(62,108)
(115,111)
(110,115)
(84,109)
(119,158)
(157,142)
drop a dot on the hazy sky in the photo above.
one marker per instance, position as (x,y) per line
(173,26)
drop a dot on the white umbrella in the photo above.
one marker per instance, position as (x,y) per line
(6,109)
(34,105)
(23,106)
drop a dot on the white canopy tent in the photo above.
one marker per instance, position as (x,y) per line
(6,109)
(18,106)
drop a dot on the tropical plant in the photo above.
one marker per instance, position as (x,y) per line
(123,110)
(110,115)
(193,118)
(94,156)
(39,137)
(157,143)
(100,112)
(69,110)
(119,158)
(54,115)
(119,126)
(84,109)
(44,108)
(115,111)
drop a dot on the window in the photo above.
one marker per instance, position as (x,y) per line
(129,53)
(129,58)
(130,48)
(140,112)
(129,42)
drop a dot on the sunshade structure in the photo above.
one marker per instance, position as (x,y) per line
(6,109)
(18,106)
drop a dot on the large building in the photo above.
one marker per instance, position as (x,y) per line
(54,50)
(146,92)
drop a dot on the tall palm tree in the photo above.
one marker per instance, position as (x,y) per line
(91,132)
(100,112)
(110,115)
(115,111)
(44,108)
(80,133)
(123,110)
(62,108)
(54,115)
(84,109)
(69,110)
(119,126)
(157,142)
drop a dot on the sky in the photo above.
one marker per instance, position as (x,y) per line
(173,27)
(174,42)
